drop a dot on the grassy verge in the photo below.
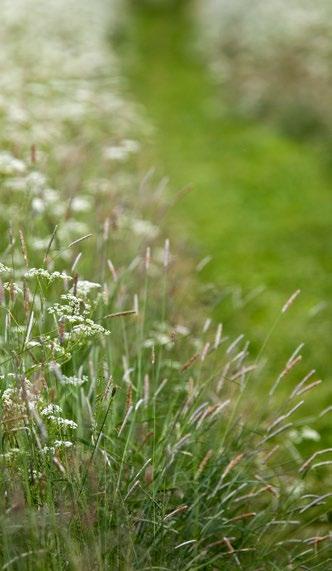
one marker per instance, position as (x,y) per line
(259,202)
(131,432)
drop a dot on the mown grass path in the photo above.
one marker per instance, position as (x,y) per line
(260,204)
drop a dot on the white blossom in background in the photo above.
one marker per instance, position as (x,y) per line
(9,165)
(3,269)
(84,287)
(45,274)
(73,381)
(122,151)
(51,409)
(274,53)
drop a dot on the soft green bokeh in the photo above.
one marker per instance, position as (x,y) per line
(260,204)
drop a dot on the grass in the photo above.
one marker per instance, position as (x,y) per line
(259,204)
(131,432)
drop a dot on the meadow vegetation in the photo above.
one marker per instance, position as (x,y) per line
(252,202)
(136,433)
(274,57)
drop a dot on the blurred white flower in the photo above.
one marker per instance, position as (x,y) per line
(121,151)
(9,165)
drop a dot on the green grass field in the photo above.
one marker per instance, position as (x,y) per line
(260,203)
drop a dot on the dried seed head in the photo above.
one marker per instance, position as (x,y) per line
(203,463)
(302,382)
(148,474)
(178,510)
(26,298)
(147,258)
(218,336)
(75,262)
(232,465)
(146,389)
(190,361)
(129,397)
(136,306)
(166,254)
(33,154)
(289,366)
(205,351)
(62,330)
(206,325)
(112,270)
(106,229)
(2,293)
(290,301)
(23,248)
(75,282)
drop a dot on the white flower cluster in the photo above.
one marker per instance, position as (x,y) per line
(48,343)
(74,381)
(144,228)
(164,334)
(4,269)
(122,151)
(9,165)
(66,87)
(73,308)
(12,287)
(76,312)
(62,422)
(17,401)
(57,444)
(88,329)
(53,413)
(11,454)
(45,274)
(84,287)
(51,410)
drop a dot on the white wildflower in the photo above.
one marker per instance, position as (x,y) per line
(88,329)
(48,450)
(305,433)
(42,273)
(63,422)
(144,228)
(4,269)
(74,381)
(12,287)
(62,444)
(12,453)
(35,182)
(9,165)
(38,205)
(121,151)
(84,287)
(182,330)
(80,204)
(310,434)
(51,409)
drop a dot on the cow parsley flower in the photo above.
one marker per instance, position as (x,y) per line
(144,228)
(64,422)
(9,165)
(12,287)
(51,410)
(74,381)
(45,274)
(84,287)
(4,269)
(62,444)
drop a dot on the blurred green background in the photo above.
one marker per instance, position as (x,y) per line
(260,203)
